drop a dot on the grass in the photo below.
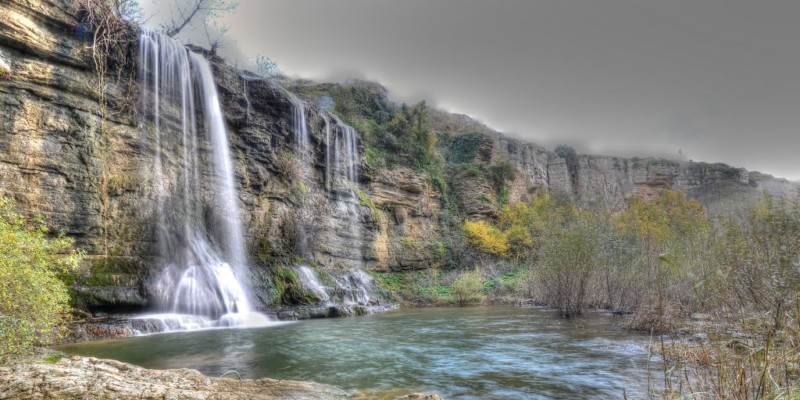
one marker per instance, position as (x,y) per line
(737,362)
(435,287)
(52,359)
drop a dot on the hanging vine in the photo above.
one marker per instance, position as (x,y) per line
(110,29)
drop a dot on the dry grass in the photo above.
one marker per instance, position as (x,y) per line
(758,365)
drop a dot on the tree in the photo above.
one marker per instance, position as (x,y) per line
(184,13)
(129,10)
(760,255)
(567,263)
(266,67)
(669,230)
(33,300)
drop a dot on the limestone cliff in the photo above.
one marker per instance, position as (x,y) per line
(87,168)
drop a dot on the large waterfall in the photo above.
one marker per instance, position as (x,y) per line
(199,231)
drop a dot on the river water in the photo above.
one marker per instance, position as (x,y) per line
(459,353)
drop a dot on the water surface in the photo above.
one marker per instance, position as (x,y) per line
(459,353)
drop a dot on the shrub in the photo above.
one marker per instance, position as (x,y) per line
(33,300)
(486,238)
(567,265)
(468,288)
(465,148)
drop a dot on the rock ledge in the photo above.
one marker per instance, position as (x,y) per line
(86,377)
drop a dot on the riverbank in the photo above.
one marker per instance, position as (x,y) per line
(87,377)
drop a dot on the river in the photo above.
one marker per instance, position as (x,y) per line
(459,353)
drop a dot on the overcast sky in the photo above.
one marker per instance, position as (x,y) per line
(719,79)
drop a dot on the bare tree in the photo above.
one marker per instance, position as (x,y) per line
(129,10)
(214,33)
(186,12)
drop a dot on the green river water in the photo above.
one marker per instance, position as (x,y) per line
(459,353)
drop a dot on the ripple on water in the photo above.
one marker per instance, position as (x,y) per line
(460,353)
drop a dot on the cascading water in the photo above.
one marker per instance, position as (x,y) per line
(353,287)
(348,288)
(302,140)
(342,150)
(356,287)
(246,98)
(308,278)
(201,265)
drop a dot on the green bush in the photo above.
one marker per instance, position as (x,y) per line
(468,288)
(34,301)
(465,148)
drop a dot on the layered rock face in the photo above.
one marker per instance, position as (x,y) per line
(61,158)
(88,169)
(612,181)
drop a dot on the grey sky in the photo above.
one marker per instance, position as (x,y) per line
(719,79)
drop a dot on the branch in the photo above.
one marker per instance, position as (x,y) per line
(186,20)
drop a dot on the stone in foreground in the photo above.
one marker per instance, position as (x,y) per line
(86,377)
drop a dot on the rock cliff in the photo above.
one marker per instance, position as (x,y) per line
(73,151)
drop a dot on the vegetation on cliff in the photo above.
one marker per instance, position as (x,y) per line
(33,297)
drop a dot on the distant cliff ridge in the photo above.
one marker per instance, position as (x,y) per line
(89,173)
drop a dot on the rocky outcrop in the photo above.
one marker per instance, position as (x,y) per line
(613,181)
(83,378)
(408,210)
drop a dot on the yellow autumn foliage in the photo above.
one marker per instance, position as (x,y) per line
(486,238)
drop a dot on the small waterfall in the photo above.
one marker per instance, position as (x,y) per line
(308,278)
(342,175)
(357,288)
(350,288)
(246,98)
(201,264)
(328,156)
(302,140)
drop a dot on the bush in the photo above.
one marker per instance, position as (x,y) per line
(465,148)
(467,288)
(33,300)
(486,238)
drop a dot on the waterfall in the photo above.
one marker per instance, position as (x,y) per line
(200,240)
(246,98)
(308,278)
(301,137)
(356,287)
(349,288)
(342,176)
